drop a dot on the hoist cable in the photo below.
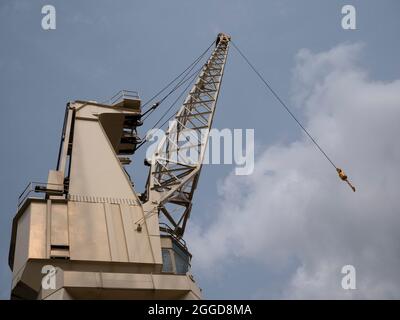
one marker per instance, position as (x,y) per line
(340,172)
(192,78)
(178,76)
(176,100)
(282,103)
(177,86)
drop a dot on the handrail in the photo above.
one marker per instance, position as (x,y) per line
(167,229)
(38,187)
(122,94)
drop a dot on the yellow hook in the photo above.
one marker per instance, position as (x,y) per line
(343,176)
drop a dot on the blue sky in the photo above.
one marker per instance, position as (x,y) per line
(100,47)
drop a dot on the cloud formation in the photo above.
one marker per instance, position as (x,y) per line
(294,207)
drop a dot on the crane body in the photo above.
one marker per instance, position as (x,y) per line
(102,238)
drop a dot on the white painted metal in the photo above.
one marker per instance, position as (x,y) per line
(177,161)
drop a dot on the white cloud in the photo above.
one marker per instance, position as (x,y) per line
(295,208)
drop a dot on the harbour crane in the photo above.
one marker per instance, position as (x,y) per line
(86,233)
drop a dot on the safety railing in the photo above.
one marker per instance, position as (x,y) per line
(121,95)
(164,228)
(41,188)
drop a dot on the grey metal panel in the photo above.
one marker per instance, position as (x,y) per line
(22,242)
(88,232)
(37,235)
(95,168)
(138,243)
(59,224)
(116,233)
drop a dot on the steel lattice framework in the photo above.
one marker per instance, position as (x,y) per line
(177,161)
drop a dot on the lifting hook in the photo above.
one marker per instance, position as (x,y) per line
(343,176)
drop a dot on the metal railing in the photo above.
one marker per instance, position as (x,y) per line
(121,95)
(166,229)
(42,188)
